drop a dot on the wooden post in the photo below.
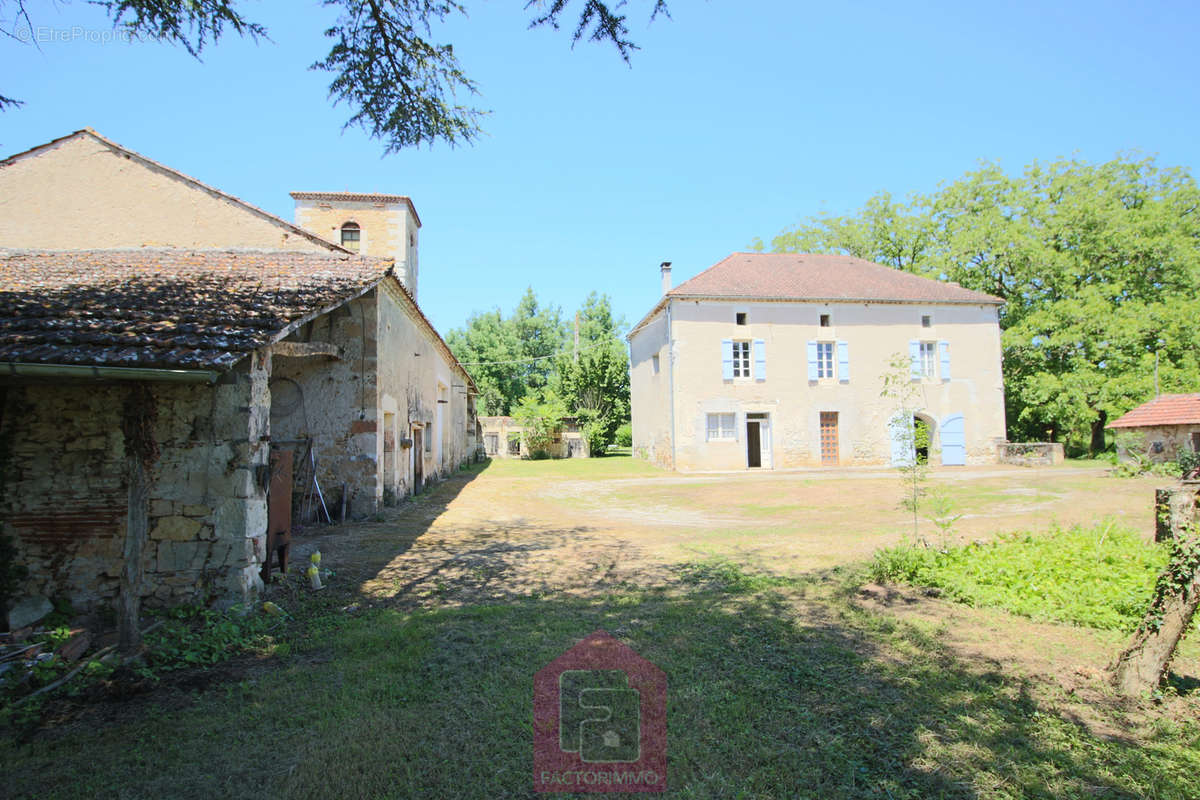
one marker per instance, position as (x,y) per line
(141,451)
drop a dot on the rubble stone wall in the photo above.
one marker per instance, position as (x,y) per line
(64,490)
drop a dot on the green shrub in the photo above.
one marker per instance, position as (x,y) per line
(625,435)
(1100,576)
(191,637)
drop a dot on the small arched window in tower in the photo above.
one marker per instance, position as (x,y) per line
(351,235)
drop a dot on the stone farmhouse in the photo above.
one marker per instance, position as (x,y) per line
(776,361)
(1163,427)
(280,358)
(504,437)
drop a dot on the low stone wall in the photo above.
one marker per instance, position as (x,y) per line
(65,493)
(1030,454)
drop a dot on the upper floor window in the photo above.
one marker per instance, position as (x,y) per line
(929,359)
(926,320)
(741,318)
(825,322)
(351,236)
(824,360)
(741,359)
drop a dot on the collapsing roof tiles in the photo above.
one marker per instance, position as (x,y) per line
(165,308)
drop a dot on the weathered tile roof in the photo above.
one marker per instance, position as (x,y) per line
(806,276)
(165,308)
(1169,409)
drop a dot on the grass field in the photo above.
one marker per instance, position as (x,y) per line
(412,675)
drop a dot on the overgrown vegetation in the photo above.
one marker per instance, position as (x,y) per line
(1100,576)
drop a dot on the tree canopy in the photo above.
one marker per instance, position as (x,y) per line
(1099,265)
(528,362)
(402,86)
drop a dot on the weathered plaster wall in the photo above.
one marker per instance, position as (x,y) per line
(333,401)
(1160,443)
(650,392)
(65,494)
(874,334)
(386,229)
(414,375)
(81,194)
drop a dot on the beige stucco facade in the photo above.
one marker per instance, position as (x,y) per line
(84,193)
(678,380)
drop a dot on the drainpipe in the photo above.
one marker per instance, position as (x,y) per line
(671,383)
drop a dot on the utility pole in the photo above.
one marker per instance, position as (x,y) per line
(577,338)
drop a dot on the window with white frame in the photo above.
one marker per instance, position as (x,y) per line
(929,359)
(720,427)
(741,359)
(825,359)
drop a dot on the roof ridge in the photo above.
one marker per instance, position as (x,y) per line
(183,176)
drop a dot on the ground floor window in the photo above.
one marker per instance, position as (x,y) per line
(720,427)
(514,444)
(491,443)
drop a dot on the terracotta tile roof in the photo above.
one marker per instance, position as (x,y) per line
(188,179)
(804,276)
(358,197)
(166,308)
(1169,409)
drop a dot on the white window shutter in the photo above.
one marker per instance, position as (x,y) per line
(812,361)
(727,359)
(944,354)
(843,349)
(760,360)
(914,354)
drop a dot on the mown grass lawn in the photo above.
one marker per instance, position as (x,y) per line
(781,682)
(776,689)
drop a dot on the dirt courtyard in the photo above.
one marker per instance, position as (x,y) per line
(533,528)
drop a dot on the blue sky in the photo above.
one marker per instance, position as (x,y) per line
(737,119)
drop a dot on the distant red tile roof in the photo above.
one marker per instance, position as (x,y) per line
(1169,409)
(358,197)
(806,276)
(165,308)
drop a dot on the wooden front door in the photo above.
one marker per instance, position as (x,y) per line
(829,438)
(753,444)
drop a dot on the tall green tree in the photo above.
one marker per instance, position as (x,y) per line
(510,358)
(593,382)
(1099,265)
(401,85)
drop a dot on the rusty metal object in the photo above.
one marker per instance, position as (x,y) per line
(279,512)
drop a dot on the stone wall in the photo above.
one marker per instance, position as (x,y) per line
(333,402)
(1158,443)
(64,491)
(1031,454)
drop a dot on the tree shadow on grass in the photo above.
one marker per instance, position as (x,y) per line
(763,702)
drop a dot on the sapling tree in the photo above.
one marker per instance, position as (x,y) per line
(909,439)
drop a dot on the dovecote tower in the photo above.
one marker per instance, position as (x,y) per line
(368,224)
